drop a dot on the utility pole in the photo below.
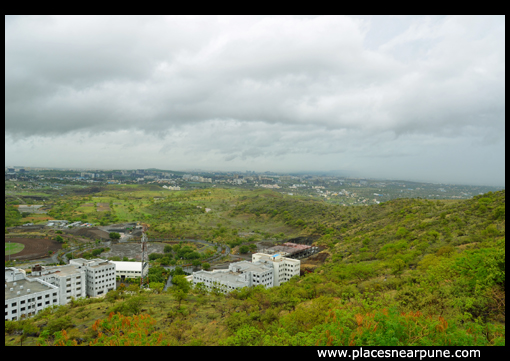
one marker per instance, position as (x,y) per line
(144,242)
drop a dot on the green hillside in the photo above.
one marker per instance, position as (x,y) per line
(404,272)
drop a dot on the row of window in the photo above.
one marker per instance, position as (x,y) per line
(22,309)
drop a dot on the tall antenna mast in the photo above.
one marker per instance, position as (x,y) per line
(145,264)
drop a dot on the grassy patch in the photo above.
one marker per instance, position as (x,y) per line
(13,248)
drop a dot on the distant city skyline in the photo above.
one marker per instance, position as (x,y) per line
(395,97)
(297,174)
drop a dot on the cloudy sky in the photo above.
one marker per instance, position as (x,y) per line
(416,98)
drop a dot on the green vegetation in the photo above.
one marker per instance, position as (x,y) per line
(12,216)
(13,248)
(409,272)
(114,235)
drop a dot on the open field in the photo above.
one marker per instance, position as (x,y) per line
(13,248)
(33,248)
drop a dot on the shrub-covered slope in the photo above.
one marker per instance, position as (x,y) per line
(405,272)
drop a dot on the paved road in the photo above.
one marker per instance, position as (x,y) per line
(169,281)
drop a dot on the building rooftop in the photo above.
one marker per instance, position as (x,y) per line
(127,266)
(273,258)
(297,246)
(231,277)
(92,263)
(286,249)
(23,286)
(245,266)
(62,271)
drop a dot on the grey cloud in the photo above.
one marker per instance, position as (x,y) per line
(254,88)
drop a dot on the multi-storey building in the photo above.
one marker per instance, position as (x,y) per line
(25,297)
(283,268)
(70,279)
(80,278)
(100,275)
(239,275)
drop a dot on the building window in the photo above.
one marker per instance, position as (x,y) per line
(13,304)
(47,302)
(22,302)
(39,298)
(39,304)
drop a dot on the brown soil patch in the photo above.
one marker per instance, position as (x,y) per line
(34,248)
(92,233)
(317,258)
(87,205)
(44,218)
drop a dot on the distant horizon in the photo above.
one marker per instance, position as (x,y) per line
(316,173)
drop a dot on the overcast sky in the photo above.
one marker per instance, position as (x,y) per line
(415,98)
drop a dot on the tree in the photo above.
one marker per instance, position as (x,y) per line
(156,287)
(244,249)
(196,263)
(180,289)
(59,239)
(114,235)
(167,249)
(397,267)
(28,328)
(206,266)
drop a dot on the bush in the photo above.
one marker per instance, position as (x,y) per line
(244,249)
(154,256)
(59,324)
(59,239)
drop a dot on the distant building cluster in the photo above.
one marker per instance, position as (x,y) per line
(172,188)
(57,223)
(274,186)
(196,178)
(25,295)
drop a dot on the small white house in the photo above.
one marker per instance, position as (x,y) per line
(129,269)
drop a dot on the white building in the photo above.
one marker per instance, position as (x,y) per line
(239,275)
(24,297)
(70,280)
(129,269)
(283,268)
(80,278)
(100,275)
